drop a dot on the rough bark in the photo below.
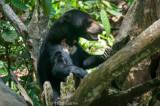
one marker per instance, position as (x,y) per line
(135,51)
(140,16)
(67,90)
(37,29)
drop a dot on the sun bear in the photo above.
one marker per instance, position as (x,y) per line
(60,52)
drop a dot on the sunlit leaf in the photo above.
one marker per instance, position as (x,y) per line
(110,40)
(114,12)
(107,4)
(74,3)
(105,22)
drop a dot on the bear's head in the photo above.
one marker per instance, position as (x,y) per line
(72,25)
(81,24)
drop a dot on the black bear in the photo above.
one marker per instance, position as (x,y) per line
(60,52)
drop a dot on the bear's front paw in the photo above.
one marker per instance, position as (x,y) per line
(106,54)
(79,72)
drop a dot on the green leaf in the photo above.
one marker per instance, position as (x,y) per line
(114,12)
(2,71)
(46,4)
(25,55)
(19,4)
(74,3)
(107,4)
(89,2)
(130,2)
(2,64)
(9,35)
(34,98)
(6,78)
(105,22)
(110,40)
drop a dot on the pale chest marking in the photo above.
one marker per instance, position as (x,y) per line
(67,48)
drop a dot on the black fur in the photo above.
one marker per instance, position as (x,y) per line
(55,64)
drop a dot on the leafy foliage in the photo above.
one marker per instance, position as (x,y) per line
(8,33)
(3,68)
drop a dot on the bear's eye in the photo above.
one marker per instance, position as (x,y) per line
(89,23)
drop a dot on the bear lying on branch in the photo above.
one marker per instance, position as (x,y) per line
(60,52)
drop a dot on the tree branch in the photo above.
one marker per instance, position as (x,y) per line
(21,89)
(144,45)
(126,95)
(14,20)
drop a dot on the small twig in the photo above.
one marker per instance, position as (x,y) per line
(21,89)
(7,50)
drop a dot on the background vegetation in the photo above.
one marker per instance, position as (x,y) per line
(13,52)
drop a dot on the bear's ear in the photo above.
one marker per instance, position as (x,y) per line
(66,17)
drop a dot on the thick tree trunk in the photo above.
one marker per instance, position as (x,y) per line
(9,97)
(140,16)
